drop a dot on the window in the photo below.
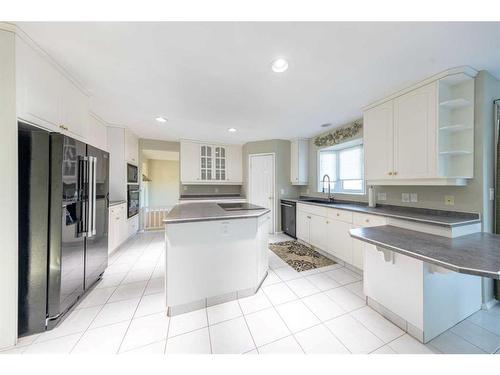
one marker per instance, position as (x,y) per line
(344,166)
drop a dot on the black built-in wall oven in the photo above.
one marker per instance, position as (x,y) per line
(132,174)
(132,200)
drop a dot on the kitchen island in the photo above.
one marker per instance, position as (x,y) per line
(215,252)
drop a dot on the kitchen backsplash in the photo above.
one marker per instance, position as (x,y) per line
(210,189)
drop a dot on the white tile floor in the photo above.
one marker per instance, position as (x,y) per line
(320,311)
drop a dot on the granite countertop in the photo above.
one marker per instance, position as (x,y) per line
(422,215)
(208,211)
(195,197)
(115,203)
(474,254)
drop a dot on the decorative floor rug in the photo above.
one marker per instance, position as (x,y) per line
(299,256)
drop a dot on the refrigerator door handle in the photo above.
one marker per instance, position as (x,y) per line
(92,196)
(82,192)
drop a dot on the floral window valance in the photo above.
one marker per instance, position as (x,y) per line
(339,135)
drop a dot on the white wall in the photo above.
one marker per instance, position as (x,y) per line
(8,192)
(163,189)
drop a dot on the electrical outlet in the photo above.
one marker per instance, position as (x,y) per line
(405,197)
(382,196)
(449,200)
(413,197)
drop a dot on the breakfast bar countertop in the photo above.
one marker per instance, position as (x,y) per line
(474,254)
(208,211)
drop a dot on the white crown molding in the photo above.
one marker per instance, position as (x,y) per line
(467,70)
(6,26)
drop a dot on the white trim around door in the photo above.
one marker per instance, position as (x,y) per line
(260,177)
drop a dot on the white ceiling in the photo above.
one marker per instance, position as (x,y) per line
(208,77)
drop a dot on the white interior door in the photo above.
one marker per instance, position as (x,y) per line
(261,190)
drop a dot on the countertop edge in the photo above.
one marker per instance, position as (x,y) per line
(449,266)
(395,216)
(216,218)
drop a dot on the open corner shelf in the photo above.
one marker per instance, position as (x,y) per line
(455,103)
(455,152)
(455,128)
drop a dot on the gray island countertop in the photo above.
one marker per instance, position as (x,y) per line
(474,254)
(208,211)
(422,215)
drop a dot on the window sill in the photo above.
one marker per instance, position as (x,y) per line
(343,193)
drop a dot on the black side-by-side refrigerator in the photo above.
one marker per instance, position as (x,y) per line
(63,224)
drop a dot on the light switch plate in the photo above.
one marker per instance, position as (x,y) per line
(449,200)
(382,196)
(413,197)
(282,191)
(405,197)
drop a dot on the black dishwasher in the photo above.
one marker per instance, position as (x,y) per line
(288,222)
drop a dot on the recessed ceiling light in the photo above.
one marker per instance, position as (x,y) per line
(279,65)
(161,119)
(232,130)
(326,125)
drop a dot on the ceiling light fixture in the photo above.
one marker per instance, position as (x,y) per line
(161,119)
(232,130)
(279,65)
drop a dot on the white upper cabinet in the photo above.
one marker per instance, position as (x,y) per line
(415,134)
(378,128)
(46,97)
(234,173)
(97,134)
(131,148)
(38,87)
(423,135)
(123,148)
(299,160)
(190,162)
(203,163)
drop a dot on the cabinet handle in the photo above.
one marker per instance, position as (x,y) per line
(395,173)
(63,127)
(327,222)
(390,173)
(367,220)
(338,214)
(309,217)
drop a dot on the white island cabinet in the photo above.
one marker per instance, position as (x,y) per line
(212,255)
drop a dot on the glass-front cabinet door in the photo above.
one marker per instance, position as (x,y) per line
(206,162)
(220,163)
(213,163)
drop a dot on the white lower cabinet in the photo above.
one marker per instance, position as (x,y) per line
(303,225)
(120,228)
(339,241)
(318,231)
(328,229)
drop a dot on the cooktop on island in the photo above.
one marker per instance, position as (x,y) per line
(239,206)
